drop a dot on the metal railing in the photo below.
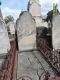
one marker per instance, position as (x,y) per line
(52,56)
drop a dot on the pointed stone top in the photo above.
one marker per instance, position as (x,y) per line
(34,8)
(32,1)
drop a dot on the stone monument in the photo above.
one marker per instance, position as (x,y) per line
(26,31)
(11,27)
(34,8)
(56,32)
(4,39)
(11,30)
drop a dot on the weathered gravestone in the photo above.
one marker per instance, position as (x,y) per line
(26,32)
(4,40)
(11,27)
(11,30)
(34,8)
(56,32)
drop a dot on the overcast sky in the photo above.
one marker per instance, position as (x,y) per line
(14,7)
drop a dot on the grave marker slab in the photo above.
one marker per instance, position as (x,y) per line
(26,32)
(56,32)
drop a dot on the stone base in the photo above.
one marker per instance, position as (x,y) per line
(27,43)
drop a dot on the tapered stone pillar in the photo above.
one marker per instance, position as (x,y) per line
(34,9)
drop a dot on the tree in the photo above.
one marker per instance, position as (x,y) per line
(50,15)
(8,19)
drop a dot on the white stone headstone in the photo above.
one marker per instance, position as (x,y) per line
(4,40)
(11,27)
(34,9)
(40,22)
(56,32)
(26,31)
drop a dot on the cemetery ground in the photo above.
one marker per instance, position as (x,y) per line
(32,66)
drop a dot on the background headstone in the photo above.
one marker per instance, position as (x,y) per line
(34,8)
(26,32)
(11,27)
(4,40)
(56,32)
(11,30)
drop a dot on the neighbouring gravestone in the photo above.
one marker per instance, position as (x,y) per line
(11,30)
(4,40)
(56,32)
(34,8)
(26,31)
(11,27)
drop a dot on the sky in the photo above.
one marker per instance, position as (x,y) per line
(14,7)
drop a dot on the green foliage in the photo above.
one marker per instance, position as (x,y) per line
(54,9)
(8,19)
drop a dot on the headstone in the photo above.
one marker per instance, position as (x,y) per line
(11,27)
(40,22)
(34,8)
(4,40)
(56,32)
(26,32)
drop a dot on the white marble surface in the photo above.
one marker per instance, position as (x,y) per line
(26,32)
(56,32)
(40,22)
(29,64)
(4,40)
(11,27)
(35,11)
(34,8)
